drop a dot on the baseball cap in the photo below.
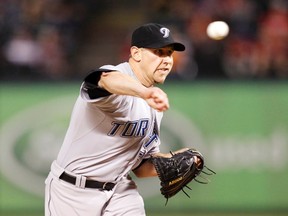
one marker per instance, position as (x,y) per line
(153,35)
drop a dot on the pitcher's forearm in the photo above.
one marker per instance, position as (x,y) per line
(122,84)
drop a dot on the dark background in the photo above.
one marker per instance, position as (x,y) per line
(63,40)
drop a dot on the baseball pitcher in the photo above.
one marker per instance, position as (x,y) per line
(114,130)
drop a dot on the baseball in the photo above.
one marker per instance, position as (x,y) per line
(217,30)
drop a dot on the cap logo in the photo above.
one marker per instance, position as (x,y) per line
(165,32)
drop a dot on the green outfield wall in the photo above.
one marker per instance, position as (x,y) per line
(241,128)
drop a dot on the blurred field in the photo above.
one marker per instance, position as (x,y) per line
(259,127)
(178,214)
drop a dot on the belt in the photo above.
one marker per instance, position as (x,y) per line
(89,183)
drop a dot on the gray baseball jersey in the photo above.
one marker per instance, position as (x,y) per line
(109,136)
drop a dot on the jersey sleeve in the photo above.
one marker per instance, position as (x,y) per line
(90,84)
(147,156)
(153,150)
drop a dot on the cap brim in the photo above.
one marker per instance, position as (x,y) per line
(177,46)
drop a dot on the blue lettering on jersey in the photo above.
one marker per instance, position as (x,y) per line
(153,138)
(130,129)
(115,128)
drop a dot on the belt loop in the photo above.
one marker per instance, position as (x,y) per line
(104,185)
(80,181)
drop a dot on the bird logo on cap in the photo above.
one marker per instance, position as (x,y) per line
(165,32)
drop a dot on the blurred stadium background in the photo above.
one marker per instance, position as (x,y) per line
(228,98)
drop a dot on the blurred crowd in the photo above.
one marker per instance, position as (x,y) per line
(41,39)
(256,48)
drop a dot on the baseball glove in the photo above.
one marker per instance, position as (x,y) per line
(178,170)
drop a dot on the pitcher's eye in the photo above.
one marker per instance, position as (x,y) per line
(163,52)
(158,52)
(170,52)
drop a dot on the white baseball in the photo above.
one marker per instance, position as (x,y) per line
(217,30)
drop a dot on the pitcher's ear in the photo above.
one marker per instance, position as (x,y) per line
(135,53)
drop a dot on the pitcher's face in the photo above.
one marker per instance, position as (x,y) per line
(157,63)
